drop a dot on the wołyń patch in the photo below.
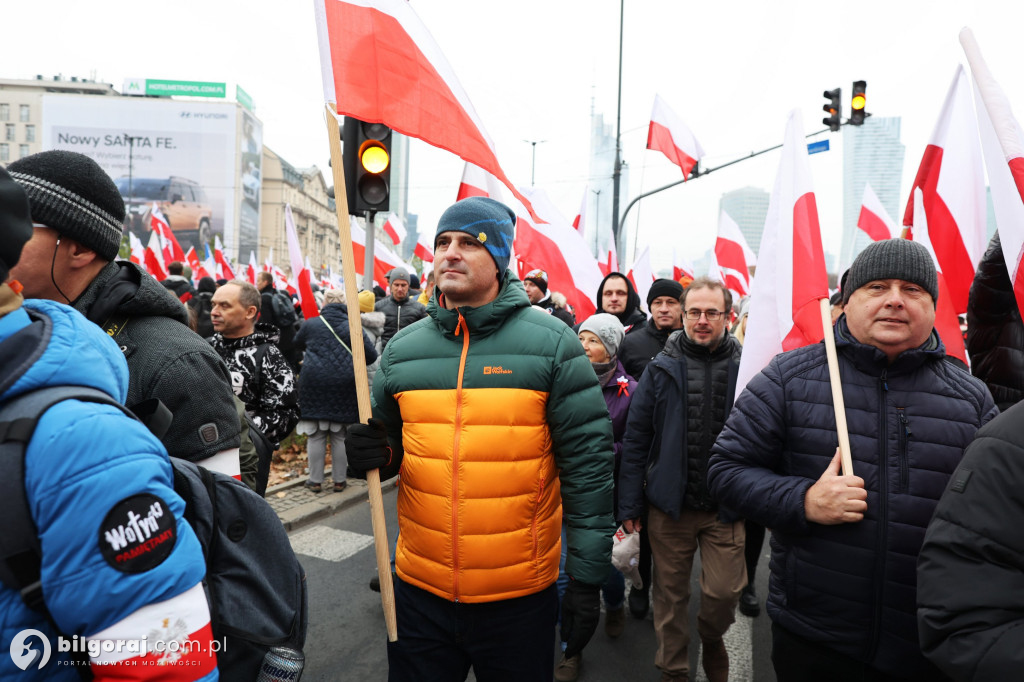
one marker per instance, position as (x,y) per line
(138,533)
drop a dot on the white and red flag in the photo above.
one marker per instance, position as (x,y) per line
(268,264)
(476,182)
(380,64)
(395,229)
(953,183)
(154,258)
(300,273)
(1003,142)
(581,221)
(138,250)
(611,260)
(682,266)
(170,246)
(874,220)
(642,275)
(785,312)
(384,259)
(252,269)
(223,267)
(946,322)
(208,268)
(193,262)
(557,248)
(670,136)
(734,256)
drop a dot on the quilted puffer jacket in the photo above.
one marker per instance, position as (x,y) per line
(850,587)
(503,427)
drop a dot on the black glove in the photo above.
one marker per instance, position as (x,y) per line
(581,609)
(366,446)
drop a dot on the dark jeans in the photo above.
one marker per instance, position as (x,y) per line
(799,660)
(439,640)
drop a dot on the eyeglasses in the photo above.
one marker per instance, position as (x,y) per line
(712,315)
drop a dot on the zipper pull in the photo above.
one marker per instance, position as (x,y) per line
(885,382)
(461,324)
(906,424)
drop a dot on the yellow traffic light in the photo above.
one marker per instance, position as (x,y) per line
(374,157)
(858,102)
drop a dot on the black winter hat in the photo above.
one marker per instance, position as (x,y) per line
(15,223)
(70,193)
(664,287)
(206,284)
(539,278)
(893,259)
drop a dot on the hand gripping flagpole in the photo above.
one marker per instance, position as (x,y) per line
(837,388)
(355,327)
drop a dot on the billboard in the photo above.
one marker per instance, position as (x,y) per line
(198,161)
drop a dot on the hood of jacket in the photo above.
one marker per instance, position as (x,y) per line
(484,319)
(632,314)
(45,343)
(124,289)
(373,322)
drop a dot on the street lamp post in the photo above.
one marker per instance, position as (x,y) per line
(617,172)
(533,161)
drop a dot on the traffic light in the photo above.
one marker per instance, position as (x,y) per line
(858,102)
(367,165)
(834,108)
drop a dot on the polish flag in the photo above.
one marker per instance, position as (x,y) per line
(953,183)
(193,262)
(395,229)
(138,250)
(874,219)
(380,64)
(282,282)
(154,258)
(682,267)
(223,266)
(734,256)
(1003,141)
(784,309)
(642,275)
(670,136)
(384,259)
(171,248)
(946,322)
(250,272)
(268,264)
(184,619)
(476,182)
(611,261)
(557,248)
(579,223)
(299,270)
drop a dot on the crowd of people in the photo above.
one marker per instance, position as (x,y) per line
(524,438)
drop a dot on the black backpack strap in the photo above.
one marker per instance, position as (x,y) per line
(20,551)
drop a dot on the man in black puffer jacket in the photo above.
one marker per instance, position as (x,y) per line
(843,586)
(399,309)
(678,409)
(647,340)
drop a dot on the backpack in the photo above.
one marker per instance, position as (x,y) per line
(254,583)
(284,309)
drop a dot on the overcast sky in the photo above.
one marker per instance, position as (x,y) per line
(533,69)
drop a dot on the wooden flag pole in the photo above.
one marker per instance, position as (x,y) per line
(355,327)
(837,389)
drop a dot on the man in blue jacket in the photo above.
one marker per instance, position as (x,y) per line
(843,586)
(120,569)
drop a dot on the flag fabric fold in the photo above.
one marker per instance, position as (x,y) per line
(642,275)
(300,275)
(171,248)
(252,269)
(734,256)
(873,219)
(138,255)
(223,267)
(395,229)
(670,136)
(154,257)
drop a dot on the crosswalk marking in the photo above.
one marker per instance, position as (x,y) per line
(329,544)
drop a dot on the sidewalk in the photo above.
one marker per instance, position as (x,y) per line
(296,505)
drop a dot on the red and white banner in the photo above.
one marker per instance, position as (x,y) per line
(384,259)
(252,269)
(874,219)
(682,266)
(557,248)
(170,246)
(476,182)
(642,276)
(953,183)
(581,222)
(193,262)
(154,257)
(380,64)
(300,274)
(670,136)
(223,267)
(784,309)
(268,264)
(734,256)
(946,322)
(138,250)
(1003,142)
(395,229)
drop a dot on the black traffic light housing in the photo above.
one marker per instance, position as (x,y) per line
(367,157)
(858,102)
(834,108)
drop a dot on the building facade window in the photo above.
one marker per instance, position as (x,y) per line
(30,133)
(9,132)
(5,151)
(22,151)
(23,113)
(5,112)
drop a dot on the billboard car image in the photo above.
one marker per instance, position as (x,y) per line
(183,203)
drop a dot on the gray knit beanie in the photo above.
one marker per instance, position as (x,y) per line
(71,194)
(893,259)
(607,328)
(398,274)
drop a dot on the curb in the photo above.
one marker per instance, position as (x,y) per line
(324,504)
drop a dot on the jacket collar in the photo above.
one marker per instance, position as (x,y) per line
(679,344)
(484,319)
(872,361)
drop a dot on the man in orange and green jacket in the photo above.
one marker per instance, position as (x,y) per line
(496,419)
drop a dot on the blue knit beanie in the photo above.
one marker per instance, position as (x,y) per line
(490,221)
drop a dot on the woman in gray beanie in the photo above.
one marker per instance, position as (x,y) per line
(601,335)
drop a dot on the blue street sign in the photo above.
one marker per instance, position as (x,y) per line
(815,147)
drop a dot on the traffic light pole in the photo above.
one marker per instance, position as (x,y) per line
(371,239)
(697,173)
